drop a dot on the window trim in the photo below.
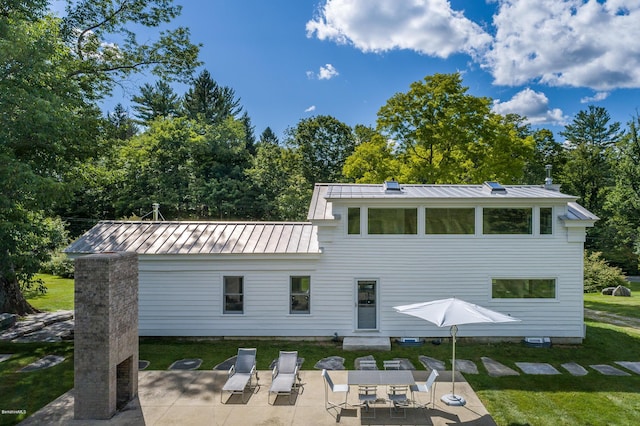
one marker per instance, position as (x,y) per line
(555,298)
(292,294)
(532,222)
(224,295)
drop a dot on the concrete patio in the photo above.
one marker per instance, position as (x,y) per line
(193,398)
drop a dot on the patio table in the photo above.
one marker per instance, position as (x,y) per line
(380,377)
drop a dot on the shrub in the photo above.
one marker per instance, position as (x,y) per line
(59,265)
(598,274)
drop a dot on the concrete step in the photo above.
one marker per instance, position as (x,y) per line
(366,344)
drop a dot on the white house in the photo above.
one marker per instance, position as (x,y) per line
(364,249)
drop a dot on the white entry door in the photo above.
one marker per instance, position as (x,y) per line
(367,311)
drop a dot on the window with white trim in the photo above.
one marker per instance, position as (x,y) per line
(300,295)
(527,288)
(233,295)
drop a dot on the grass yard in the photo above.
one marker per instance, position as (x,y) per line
(59,294)
(516,400)
(626,306)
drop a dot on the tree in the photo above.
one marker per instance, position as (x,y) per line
(547,151)
(372,161)
(268,137)
(156,101)
(444,135)
(587,173)
(52,72)
(208,101)
(323,143)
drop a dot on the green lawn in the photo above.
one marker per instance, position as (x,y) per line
(626,306)
(519,400)
(59,294)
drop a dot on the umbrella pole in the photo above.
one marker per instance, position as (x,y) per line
(452,398)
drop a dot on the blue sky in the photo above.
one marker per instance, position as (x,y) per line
(288,60)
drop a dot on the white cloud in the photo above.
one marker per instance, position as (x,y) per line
(429,27)
(327,72)
(566,43)
(600,96)
(533,105)
(310,109)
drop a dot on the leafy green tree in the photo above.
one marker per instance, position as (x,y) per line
(620,242)
(156,101)
(547,151)
(52,72)
(208,101)
(323,143)
(444,135)
(587,173)
(372,161)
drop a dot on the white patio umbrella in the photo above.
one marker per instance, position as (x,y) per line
(453,312)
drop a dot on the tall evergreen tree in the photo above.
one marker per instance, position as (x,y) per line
(156,101)
(208,101)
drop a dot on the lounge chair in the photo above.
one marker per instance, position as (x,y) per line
(241,373)
(285,377)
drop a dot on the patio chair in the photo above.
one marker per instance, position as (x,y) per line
(328,384)
(367,395)
(240,374)
(367,364)
(392,364)
(398,397)
(285,378)
(426,387)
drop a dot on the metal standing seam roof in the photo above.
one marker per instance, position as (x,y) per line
(324,193)
(198,238)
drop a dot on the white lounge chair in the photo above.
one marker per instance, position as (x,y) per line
(241,373)
(285,377)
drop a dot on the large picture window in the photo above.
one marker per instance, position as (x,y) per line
(392,221)
(300,295)
(450,221)
(506,221)
(233,295)
(523,288)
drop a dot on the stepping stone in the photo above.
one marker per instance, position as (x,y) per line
(496,369)
(4,357)
(186,364)
(142,364)
(466,366)
(226,364)
(330,363)
(405,364)
(608,370)
(575,369)
(539,368)
(633,366)
(45,362)
(431,363)
(356,362)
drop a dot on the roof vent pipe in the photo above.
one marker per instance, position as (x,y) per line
(548,181)
(156,211)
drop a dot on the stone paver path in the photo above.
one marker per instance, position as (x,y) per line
(609,370)
(466,366)
(45,362)
(633,366)
(186,364)
(496,369)
(431,363)
(330,363)
(142,364)
(575,369)
(537,368)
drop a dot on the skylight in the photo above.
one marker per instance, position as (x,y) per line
(495,187)
(392,185)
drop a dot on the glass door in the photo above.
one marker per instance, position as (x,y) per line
(367,307)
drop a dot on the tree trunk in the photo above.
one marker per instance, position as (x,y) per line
(12,299)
